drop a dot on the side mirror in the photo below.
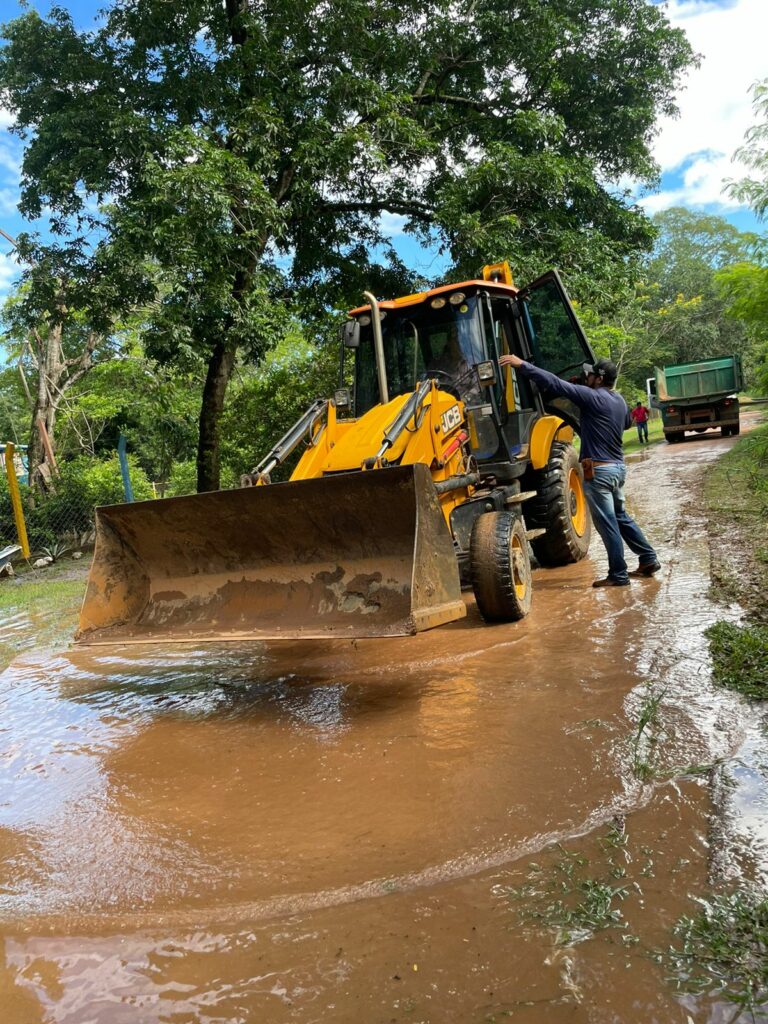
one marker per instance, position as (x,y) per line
(350,334)
(486,374)
(342,399)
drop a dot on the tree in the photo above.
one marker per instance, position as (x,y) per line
(688,317)
(236,134)
(744,286)
(53,351)
(754,153)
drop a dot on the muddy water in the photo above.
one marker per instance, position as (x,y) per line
(349,831)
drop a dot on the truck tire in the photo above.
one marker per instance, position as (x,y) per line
(672,438)
(735,429)
(500,567)
(560,507)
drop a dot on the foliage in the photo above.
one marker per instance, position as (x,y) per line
(722,950)
(156,407)
(754,153)
(740,658)
(688,312)
(183,158)
(84,483)
(744,287)
(678,311)
(268,400)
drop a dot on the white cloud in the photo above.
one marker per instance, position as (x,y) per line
(10,158)
(716,104)
(9,199)
(392,223)
(6,117)
(9,271)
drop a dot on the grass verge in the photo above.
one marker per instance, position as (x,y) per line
(740,658)
(722,951)
(736,497)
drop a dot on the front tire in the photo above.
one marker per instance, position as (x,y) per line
(500,567)
(560,508)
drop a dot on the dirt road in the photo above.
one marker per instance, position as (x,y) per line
(363,832)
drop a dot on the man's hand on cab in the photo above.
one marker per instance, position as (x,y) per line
(510,361)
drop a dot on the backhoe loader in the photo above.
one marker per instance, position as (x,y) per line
(437,468)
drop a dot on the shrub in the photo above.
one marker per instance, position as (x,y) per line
(84,483)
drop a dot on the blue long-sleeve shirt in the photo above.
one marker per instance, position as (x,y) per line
(604,414)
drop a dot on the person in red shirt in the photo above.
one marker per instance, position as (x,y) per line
(640,418)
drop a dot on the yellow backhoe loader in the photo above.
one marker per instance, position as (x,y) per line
(437,468)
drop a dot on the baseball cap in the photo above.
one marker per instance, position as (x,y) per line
(605,368)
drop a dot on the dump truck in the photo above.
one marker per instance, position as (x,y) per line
(436,469)
(698,397)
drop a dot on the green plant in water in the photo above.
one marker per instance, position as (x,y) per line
(740,657)
(647,735)
(574,905)
(724,950)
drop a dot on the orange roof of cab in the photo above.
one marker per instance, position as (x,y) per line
(412,300)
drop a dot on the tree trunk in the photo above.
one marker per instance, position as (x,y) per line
(55,375)
(49,368)
(220,368)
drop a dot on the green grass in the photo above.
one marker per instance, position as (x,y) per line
(568,900)
(736,496)
(50,597)
(655,434)
(723,950)
(740,658)
(648,733)
(49,600)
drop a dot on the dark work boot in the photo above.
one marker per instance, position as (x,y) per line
(645,570)
(610,582)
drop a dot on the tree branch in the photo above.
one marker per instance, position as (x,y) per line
(413,209)
(433,99)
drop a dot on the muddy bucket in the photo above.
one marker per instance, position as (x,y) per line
(350,555)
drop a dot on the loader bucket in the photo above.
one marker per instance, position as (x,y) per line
(350,555)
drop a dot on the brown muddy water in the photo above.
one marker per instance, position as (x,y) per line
(385,830)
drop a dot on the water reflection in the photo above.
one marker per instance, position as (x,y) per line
(148,795)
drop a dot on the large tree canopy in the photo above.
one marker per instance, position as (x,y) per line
(216,141)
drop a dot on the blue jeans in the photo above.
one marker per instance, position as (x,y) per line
(642,431)
(605,497)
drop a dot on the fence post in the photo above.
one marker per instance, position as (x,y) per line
(121,452)
(13,490)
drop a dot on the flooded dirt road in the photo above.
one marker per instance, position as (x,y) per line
(386,830)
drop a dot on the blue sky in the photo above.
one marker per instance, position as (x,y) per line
(695,150)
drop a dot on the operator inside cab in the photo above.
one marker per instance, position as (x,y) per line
(446,359)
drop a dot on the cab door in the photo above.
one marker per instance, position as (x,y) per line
(555,337)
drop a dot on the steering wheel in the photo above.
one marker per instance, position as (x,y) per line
(443,376)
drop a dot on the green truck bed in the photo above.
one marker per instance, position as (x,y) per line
(699,382)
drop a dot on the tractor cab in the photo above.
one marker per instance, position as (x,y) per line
(455,334)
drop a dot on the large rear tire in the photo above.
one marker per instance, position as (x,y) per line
(560,508)
(500,567)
